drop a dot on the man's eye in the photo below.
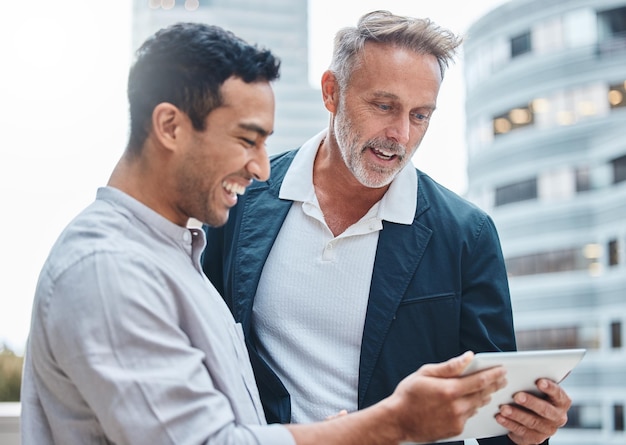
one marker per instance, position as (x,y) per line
(384,107)
(420,116)
(249,142)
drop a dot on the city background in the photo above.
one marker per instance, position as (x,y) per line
(64,112)
(529,126)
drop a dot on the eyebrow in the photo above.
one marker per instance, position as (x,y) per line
(386,95)
(256,128)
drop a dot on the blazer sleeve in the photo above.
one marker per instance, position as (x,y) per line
(486,313)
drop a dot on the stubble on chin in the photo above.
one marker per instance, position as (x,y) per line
(369,174)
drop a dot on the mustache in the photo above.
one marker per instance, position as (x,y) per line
(387,145)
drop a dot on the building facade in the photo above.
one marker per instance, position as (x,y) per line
(546,132)
(279,25)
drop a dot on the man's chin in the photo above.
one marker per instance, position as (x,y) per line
(375,177)
(376,181)
(217,221)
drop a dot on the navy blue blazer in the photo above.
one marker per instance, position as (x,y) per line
(439,286)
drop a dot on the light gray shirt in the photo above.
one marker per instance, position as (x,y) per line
(130,343)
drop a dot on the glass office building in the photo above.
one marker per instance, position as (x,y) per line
(546,132)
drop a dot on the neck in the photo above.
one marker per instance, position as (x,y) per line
(144,182)
(342,198)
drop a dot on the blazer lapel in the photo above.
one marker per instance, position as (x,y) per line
(262,216)
(399,252)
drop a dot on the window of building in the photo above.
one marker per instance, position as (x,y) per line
(616,335)
(618,417)
(589,100)
(612,23)
(556,185)
(480,136)
(551,338)
(516,192)
(520,44)
(189,5)
(617,95)
(562,107)
(513,119)
(192,5)
(612,31)
(613,252)
(584,417)
(564,337)
(619,169)
(583,179)
(547,36)
(581,27)
(553,261)
(487,59)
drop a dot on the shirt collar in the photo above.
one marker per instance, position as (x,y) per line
(398,205)
(138,211)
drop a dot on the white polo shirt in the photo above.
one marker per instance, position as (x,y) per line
(310,305)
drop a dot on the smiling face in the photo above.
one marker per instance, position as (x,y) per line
(217,164)
(382,114)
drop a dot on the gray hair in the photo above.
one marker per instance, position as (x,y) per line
(422,36)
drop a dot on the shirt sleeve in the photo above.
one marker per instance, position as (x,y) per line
(113,330)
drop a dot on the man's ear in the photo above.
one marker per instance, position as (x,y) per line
(330,91)
(166,125)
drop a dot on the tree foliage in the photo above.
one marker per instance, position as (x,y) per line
(10,375)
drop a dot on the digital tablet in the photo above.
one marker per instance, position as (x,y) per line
(524,368)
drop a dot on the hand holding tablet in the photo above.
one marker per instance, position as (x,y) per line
(523,370)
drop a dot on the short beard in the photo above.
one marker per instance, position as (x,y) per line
(353,155)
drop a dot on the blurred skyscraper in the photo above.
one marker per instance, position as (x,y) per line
(279,25)
(546,120)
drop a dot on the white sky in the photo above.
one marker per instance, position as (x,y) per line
(63,118)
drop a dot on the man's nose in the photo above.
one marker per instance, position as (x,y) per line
(399,130)
(259,166)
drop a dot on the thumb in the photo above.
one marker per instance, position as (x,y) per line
(451,368)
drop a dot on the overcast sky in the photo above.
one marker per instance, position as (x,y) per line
(63,118)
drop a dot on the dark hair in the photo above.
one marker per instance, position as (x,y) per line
(185,65)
